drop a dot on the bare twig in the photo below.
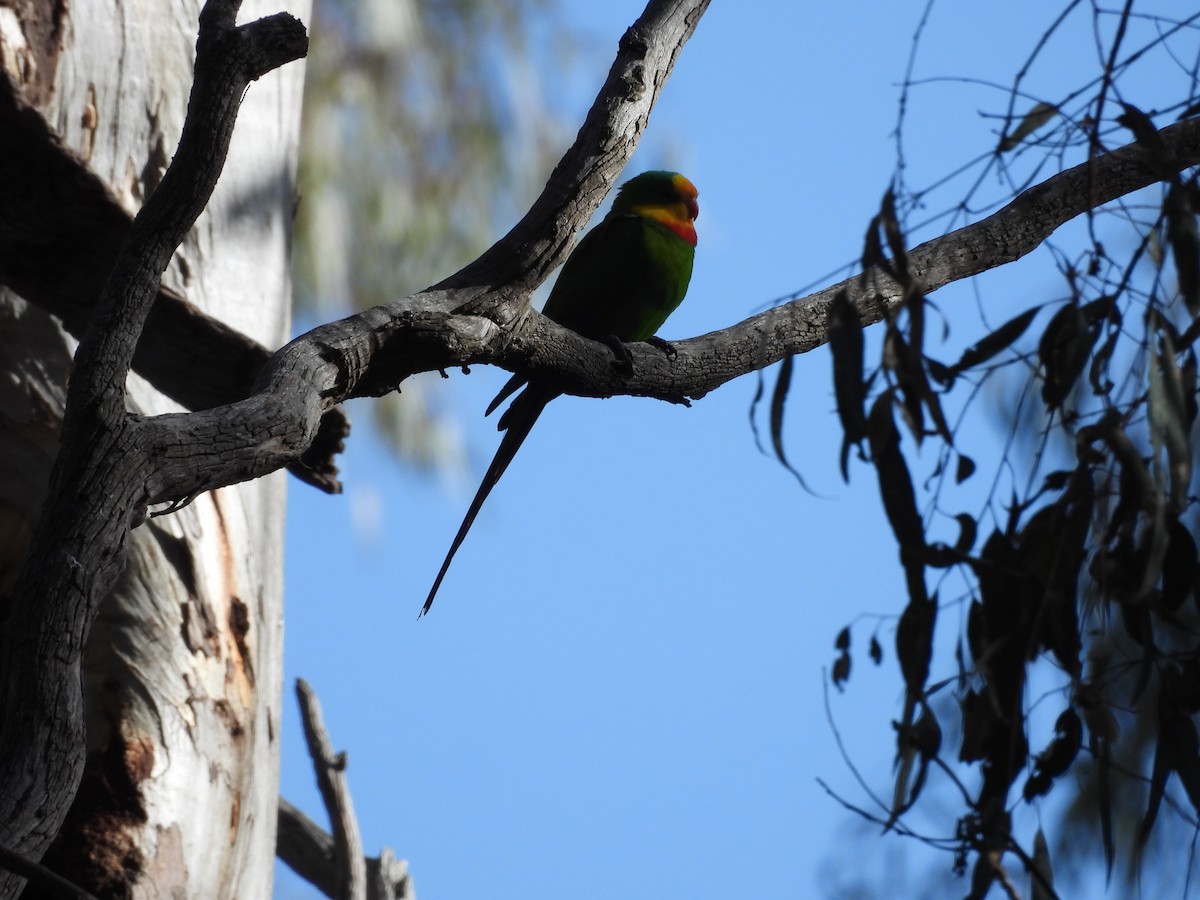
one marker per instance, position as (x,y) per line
(52,884)
(331,781)
(307,849)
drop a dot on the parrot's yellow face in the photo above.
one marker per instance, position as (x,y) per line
(676,208)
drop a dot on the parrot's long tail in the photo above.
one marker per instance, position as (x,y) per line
(511,386)
(518,420)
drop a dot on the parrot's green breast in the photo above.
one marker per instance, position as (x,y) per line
(626,276)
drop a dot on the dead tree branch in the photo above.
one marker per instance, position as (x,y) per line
(307,849)
(349,867)
(334,864)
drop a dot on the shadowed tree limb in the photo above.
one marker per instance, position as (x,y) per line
(368,354)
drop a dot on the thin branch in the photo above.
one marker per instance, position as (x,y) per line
(331,781)
(524,257)
(52,884)
(307,849)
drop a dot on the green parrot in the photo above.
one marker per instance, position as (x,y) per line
(619,285)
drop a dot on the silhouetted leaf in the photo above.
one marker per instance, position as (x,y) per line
(942,373)
(1063,351)
(1103,308)
(1102,751)
(1158,777)
(1185,243)
(916,747)
(895,482)
(1057,480)
(1178,739)
(841,670)
(783,384)
(1053,550)
(966,468)
(1058,756)
(1168,426)
(1135,617)
(1137,489)
(1148,138)
(1034,119)
(989,346)
(895,237)
(754,401)
(843,639)
(977,637)
(1098,372)
(875,651)
(966,533)
(1187,373)
(1041,879)
(846,344)
(1179,566)
(900,359)
(1008,597)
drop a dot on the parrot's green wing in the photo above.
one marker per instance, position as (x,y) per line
(624,279)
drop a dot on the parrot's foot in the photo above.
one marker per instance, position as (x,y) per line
(624,359)
(665,346)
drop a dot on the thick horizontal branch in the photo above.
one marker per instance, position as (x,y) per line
(709,361)
(372,352)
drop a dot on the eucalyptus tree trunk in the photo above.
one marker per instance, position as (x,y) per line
(183,668)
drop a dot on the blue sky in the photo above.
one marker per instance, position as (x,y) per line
(620,689)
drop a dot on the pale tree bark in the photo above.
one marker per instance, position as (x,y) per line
(183,666)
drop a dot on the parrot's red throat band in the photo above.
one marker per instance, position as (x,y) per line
(676,217)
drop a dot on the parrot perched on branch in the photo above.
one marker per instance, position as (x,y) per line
(619,285)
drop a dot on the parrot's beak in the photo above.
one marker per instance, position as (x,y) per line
(693,209)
